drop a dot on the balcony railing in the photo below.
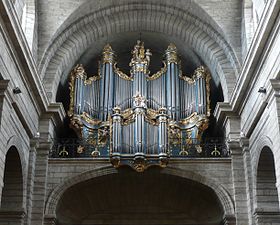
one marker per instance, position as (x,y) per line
(189,148)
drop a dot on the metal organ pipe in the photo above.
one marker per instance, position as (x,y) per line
(77,82)
(117,131)
(162,132)
(106,84)
(172,81)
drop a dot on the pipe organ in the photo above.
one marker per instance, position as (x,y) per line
(139,119)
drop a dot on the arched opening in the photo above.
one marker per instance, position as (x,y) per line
(133,198)
(122,44)
(204,40)
(12,192)
(266,191)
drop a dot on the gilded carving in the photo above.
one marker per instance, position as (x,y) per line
(159,73)
(121,74)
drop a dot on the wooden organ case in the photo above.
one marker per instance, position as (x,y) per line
(139,119)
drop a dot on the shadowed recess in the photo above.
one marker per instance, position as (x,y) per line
(146,198)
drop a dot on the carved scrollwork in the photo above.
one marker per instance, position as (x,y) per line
(159,73)
(128,117)
(174,134)
(121,74)
(103,136)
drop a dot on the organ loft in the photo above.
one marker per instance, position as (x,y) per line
(139,119)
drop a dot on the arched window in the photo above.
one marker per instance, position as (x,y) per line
(267,197)
(12,193)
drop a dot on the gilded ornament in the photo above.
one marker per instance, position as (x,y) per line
(103,136)
(122,74)
(159,73)
(108,55)
(171,54)
(80,149)
(95,153)
(140,59)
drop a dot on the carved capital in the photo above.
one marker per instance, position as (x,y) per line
(234,146)
(244,144)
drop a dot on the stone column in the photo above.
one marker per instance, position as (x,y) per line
(275,86)
(40,183)
(34,144)
(244,144)
(238,178)
(3,88)
(48,122)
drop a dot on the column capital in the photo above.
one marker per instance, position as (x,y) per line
(44,147)
(34,143)
(234,146)
(244,144)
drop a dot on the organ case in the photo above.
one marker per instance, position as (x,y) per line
(140,119)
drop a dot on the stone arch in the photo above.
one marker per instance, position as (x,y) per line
(266,191)
(12,193)
(264,141)
(208,43)
(17,143)
(57,193)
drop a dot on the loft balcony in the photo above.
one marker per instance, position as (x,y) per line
(73,148)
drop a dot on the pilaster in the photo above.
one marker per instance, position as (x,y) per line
(244,144)
(52,118)
(238,175)
(3,90)
(231,123)
(40,182)
(275,89)
(34,144)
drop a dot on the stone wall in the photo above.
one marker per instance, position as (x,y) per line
(215,30)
